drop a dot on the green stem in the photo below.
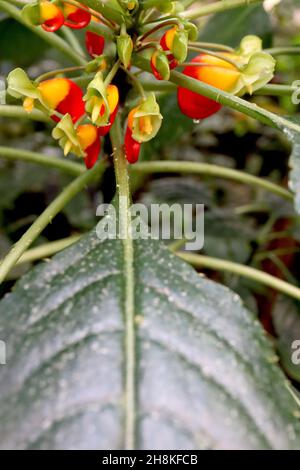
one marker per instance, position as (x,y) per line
(216,8)
(276,90)
(136,83)
(47,249)
(211,170)
(157,28)
(214,54)
(53,73)
(288,50)
(111,75)
(46,217)
(211,45)
(163,87)
(72,39)
(200,261)
(20,113)
(101,29)
(51,38)
(122,181)
(72,168)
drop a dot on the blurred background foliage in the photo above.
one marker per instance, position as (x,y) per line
(242,224)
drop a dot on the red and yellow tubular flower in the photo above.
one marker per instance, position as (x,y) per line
(132,147)
(51,16)
(63,96)
(94,43)
(76,18)
(213,71)
(89,139)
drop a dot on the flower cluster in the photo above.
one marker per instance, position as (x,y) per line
(84,117)
(53,15)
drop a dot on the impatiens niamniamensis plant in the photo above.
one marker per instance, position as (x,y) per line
(127,54)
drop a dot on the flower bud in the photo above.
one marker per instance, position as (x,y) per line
(192,31)
(125,48)
(129,5)
(145,120)
(180,45)
(160,65)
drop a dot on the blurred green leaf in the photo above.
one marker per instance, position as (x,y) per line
(19,45)
(231,26)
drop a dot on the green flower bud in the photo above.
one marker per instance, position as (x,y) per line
(125,48)
(192,31)
(31,13)
(180,45)
(166,6)
(146,120)
(129,4)
(160,65)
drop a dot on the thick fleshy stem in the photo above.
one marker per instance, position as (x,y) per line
(122,181)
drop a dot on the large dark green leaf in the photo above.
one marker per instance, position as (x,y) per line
(205,374)
(229,27)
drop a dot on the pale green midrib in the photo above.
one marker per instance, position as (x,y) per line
(129,283)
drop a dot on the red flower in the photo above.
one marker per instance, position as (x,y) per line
(132,147)
(88,136)
(64,96)
(94,43)
(51,16)
(104,130)
(76,18)
(213,71)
